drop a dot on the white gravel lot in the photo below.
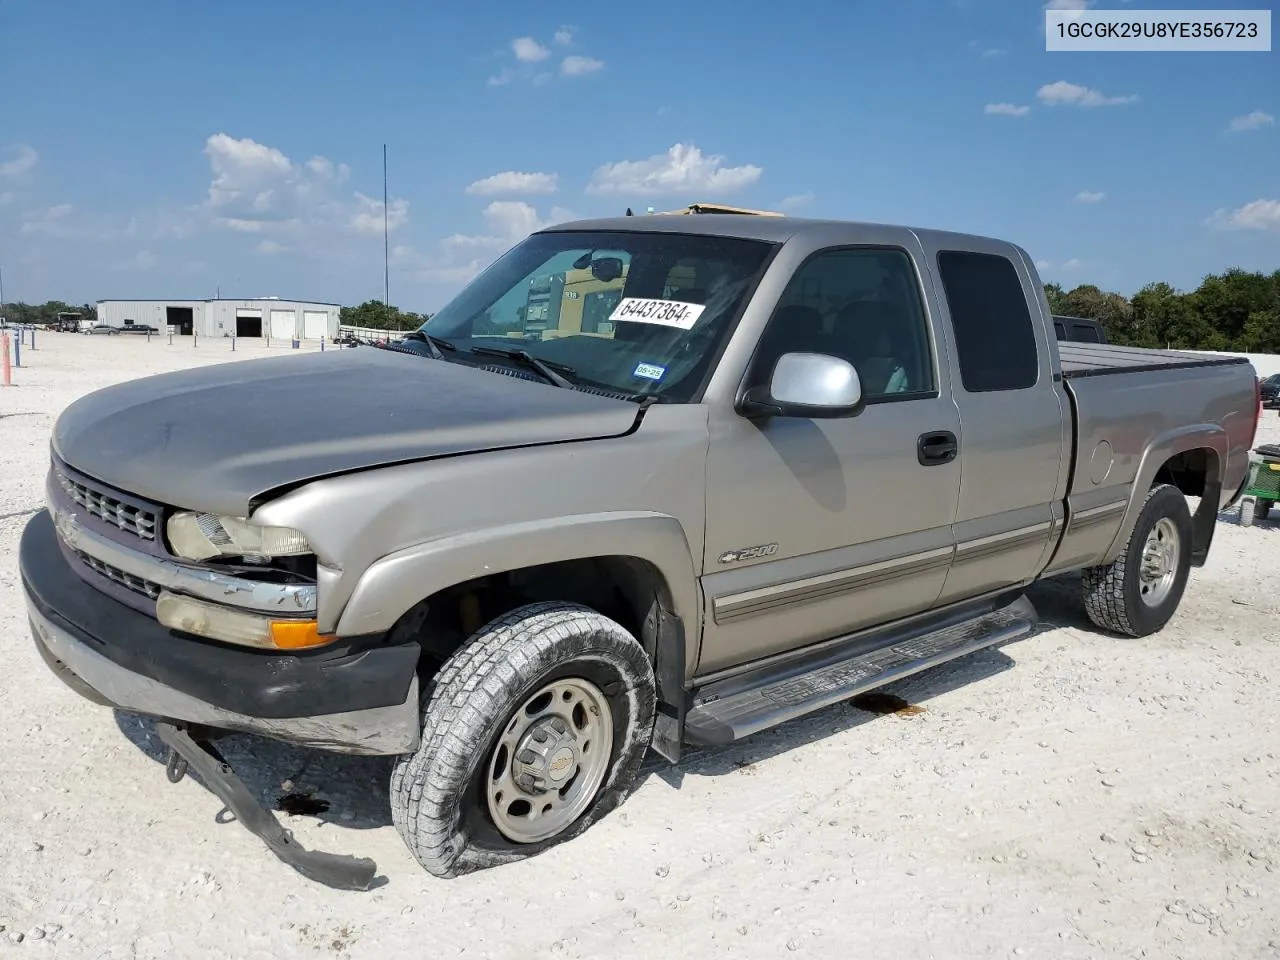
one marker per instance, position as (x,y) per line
(1070,796)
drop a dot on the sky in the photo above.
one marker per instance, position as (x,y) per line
(157,150)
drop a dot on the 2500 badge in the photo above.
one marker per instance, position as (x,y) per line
(749,553)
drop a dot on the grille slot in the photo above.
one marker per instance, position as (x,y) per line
(124,516)
(136,584)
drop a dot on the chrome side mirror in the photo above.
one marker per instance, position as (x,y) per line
(806,385)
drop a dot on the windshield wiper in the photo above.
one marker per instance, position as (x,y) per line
(547,369)
(433,342)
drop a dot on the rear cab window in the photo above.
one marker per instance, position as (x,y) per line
(995,339)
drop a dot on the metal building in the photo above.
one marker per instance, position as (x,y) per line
(268,317)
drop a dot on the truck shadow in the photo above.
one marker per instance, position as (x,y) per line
(349,791)
(343,790)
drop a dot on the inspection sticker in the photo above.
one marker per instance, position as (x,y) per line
(665,313)
(650,371)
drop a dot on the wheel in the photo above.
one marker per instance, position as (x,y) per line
(1263,510)
(531,732)
(1248,506)
(1139,591)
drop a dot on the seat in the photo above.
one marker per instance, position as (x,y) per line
(864,333)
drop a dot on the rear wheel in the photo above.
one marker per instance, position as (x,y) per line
(532,731)
(1139,591)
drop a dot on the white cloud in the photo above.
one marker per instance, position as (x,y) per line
(529,50)
(461,256)
(795,201)
(530,54)
(682,169)
(1258,215)
(17,161)
(51,222)
(269,247)
(1067,266)
(1069,4)
(257,189)
(1251,121)
(576,66)
(368,218)
(512,181)
(994,52)
(1062,93)
(142,260)
(1090,196)
(1006,109)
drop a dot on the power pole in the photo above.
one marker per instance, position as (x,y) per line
(386,234)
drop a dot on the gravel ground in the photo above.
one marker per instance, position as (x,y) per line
(1070,796)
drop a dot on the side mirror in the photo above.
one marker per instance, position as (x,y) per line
(806,385)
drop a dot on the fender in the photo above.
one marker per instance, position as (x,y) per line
(1209,436)
(393,584)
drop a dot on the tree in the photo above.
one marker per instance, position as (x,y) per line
(376,315)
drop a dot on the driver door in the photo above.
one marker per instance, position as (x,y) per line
(821,527)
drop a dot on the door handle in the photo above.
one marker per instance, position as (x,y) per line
(937,446)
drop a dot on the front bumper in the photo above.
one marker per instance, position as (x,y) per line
(350,699)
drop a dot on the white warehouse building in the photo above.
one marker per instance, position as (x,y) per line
(268,317)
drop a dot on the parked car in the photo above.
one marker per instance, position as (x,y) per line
(1078,330)
(130,327)
(102,328)
(776,463)
(1269,390)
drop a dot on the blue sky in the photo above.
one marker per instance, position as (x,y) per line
(153,149)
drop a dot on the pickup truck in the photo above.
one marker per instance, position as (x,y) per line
(645,482)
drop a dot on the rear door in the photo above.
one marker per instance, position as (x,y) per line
(1016,420)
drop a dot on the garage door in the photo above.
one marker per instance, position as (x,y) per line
(315,324)
(283,324)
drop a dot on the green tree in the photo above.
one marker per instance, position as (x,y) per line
(1226,301)
(379,316)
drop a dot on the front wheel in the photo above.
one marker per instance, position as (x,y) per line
(1139,591)
(532,731)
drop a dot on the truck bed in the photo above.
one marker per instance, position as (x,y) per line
(1100,359)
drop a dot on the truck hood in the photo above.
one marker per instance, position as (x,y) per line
(217,438)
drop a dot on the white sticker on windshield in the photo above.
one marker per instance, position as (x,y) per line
(665,313)
(650,371)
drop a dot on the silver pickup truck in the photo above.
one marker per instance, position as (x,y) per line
(646,482)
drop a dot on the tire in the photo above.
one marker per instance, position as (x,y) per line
(441,798)
(1248,506)
(1263,510)
(1121,596)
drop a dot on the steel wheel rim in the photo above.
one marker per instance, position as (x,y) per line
(549,762)
(1159,562)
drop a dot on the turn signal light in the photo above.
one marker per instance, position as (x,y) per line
(237,626)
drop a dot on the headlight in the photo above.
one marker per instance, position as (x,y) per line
(200,536)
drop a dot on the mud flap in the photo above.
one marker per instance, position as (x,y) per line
(333,870)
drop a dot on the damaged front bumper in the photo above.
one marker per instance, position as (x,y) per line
(361,700)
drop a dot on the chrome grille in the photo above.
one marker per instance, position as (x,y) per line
(135,520)
(136,584)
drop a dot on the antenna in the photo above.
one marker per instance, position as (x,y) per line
(386,243)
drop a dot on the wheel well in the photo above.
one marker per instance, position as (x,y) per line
(625,589)
(1189,470)
(1197,473)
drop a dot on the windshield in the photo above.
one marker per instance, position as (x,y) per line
(633,313)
